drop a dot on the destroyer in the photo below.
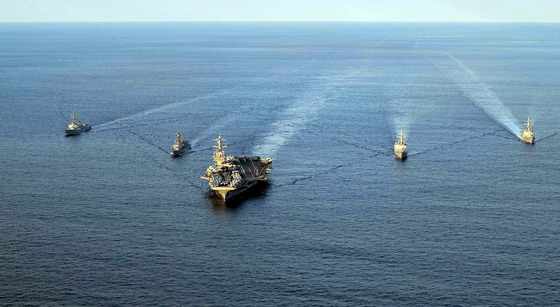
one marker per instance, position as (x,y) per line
(76,127)
(401,147)
(231,175)
(527,135)
(180,146)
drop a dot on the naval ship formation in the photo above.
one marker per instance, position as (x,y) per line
(231,175)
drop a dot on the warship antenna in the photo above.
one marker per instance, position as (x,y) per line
(219,155)
(401,135)
(220,145)
(178,136)
(528,123)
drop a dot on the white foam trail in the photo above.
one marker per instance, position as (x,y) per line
(406,113)
(293,120)
(482,96)
(301,112)
(154,110)
(212,131)
(401,122)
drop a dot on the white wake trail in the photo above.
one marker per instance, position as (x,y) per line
(478,92)
(163,108)
(295,118)
(407,113)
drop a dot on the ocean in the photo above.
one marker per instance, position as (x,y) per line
(109,218)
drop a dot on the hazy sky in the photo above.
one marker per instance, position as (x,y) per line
(280,10)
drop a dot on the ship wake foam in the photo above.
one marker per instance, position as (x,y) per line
(302,112)
(214,130)
(159,109)
(407,112)
(291,122)
(479,93)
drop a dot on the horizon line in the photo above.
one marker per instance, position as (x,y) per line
(281,21)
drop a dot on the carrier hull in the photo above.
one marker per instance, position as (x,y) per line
(227,193)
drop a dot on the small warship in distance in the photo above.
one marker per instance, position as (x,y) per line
(76,127)
(231,175)
(180,146)
(400,147)
(527,135)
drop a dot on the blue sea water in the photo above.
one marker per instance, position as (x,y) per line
(108,218)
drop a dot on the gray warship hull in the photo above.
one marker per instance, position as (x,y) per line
(71,132)
(400,156)
(177,153)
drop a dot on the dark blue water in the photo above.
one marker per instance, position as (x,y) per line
(108,218)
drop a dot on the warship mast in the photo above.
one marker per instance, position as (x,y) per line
(219,156)
(401,135)
(528,121)
(178,141)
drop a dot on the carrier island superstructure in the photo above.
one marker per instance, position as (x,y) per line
(230,176)
(401,149)
(527,135)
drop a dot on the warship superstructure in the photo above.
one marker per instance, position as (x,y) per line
(401,149)
(76,127)
(527,135)
(230,176)
(180,146)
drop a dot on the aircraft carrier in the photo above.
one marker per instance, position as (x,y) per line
(230,176)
